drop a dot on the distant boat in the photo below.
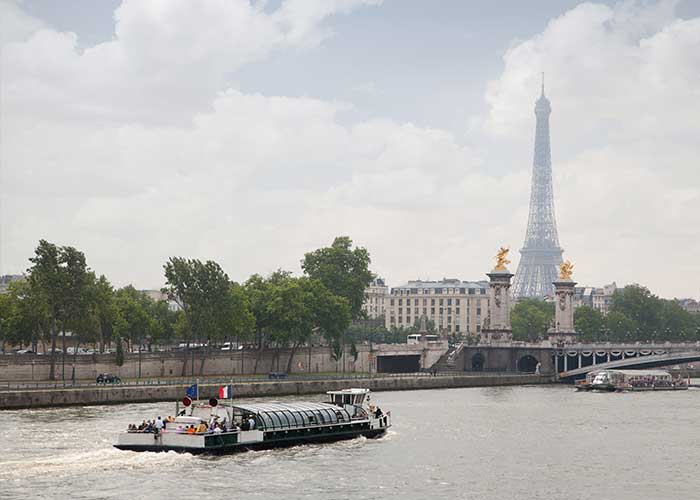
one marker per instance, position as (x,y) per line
(227,427)
(632,380)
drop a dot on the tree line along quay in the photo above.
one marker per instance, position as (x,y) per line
(62,303)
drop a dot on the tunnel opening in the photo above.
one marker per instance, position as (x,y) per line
(398,364)
(527,364)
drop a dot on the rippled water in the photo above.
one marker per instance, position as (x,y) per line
(492,443)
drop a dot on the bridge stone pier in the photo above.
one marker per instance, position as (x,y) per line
(514,357)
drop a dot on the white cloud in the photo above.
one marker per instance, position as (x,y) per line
(135,149)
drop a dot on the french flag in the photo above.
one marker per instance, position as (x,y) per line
(226,392)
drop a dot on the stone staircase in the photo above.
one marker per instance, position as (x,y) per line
(447,361)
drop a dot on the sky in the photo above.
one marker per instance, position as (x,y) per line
(251,132)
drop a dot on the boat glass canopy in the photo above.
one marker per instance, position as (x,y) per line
(293,415)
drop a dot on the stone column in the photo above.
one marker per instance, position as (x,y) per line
(497,327)
(563,329)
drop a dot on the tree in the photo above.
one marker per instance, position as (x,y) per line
(47,281)
(119,358)
(105,309)
(588,323)
(259,293)
(202,289)
(343,270)
(531,318)
(619,328)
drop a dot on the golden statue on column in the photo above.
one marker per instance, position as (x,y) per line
(502,259)
(565,270)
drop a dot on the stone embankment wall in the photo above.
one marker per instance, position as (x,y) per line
(170,364)
(144,394)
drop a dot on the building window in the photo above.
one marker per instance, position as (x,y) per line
(425,310)
(438,290)
(483,291)
(432,311)
(400,310)
(440,301)
(400,319)
(478,311)
(457,311)
(471,291)
(449,302)
(432,302)
(456,302)
(391,302)
(457,327)
(400,302)
(415,302)
(462,291)
(408,311)
(425,302)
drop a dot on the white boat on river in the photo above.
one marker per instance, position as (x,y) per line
(632,380)
(226,427)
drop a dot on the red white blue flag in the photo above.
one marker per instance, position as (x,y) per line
(226,392)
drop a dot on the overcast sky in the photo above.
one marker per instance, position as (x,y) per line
(252,132)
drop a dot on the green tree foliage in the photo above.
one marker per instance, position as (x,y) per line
(213,309)
(530,319)
(343,270)
(638,315)
(588,323)
(135,320)
(47,280)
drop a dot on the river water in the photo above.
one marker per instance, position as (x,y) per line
(536,442)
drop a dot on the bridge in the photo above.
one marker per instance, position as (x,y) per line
(649,361)
(570,361)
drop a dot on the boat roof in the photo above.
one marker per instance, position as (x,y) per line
(293,406)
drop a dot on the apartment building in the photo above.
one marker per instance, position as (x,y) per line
(456,307)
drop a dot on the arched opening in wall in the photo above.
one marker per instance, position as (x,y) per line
(527,364)
(478,362)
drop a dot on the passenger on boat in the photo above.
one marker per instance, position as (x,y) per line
(378,413)
(190,429)
(251,423)
(159,424)
(202,428)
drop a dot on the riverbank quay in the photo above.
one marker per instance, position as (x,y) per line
(119,394)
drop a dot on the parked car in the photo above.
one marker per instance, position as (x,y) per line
(108,378)
(25,351)
(276,375)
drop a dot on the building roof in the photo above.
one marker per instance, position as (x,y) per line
(445,283)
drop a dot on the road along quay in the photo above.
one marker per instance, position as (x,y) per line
(16,398)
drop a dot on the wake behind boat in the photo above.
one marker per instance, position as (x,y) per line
(225,427)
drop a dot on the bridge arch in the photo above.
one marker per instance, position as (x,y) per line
(527,364)
(478,361)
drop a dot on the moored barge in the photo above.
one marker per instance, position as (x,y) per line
(227,427)
(632,380)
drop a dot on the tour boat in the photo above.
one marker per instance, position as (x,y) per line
(633,380)
(225,427)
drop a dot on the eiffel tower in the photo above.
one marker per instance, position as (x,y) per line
(541,253)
